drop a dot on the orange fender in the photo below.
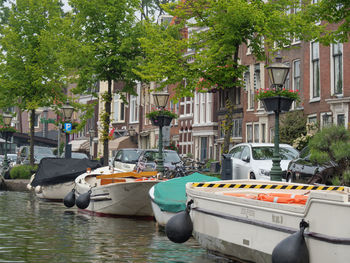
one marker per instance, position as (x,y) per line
(283,198)
(249,196)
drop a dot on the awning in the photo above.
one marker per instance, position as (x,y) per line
(121,142)
(80,145)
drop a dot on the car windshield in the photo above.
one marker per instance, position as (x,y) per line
(43,151)
(130,156)
(266,153)
(169,157)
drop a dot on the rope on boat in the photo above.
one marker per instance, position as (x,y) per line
(269,186)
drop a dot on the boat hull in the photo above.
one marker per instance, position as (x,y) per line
(123,198)
(55,192)
(162,217)
(250,229)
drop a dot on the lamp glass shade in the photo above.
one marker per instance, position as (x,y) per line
(7,118)
(92,133)
(278,73)
(67,111)
(161,99)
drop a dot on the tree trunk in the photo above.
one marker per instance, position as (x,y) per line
(229,106)
(106,123)
(31,148)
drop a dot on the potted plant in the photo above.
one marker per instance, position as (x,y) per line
(7,131)
(276,99)
(161,117)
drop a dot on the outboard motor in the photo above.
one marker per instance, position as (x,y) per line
(69,199)
(83,200)
(293,249)
(179,228)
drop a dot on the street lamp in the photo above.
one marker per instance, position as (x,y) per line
(91,135)
(67,111)
(161,100)
(7,118)
(278,73)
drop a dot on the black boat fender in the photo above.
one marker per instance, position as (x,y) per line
(83,200)
(293,249)
(179,228)
(69,199)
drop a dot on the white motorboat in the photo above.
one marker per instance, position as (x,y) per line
(55,177)
(260,221)
(113,192)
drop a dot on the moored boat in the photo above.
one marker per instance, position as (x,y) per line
(115,193)
(55,177)
(169,197)
(260,221)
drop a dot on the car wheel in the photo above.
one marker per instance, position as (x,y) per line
(252,176)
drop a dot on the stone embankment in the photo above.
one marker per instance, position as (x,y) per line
(14,185)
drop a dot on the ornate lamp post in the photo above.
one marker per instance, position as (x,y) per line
(161,100)
(278,73)
(91,135)
(7,118)
(67,111)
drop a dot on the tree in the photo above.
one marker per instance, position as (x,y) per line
(32,75)
(333,144)
(332,12)
(293,125)
(222,28)
(105,48)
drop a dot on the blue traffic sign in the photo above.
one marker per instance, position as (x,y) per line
(67,127)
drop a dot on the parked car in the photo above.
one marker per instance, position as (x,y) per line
(39,153)
(147,160)
(303,170)
(126,159)
(76,155)
(254,160)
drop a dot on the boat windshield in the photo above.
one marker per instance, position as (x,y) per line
(266,153)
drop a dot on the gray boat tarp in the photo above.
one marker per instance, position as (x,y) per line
(60,170)
(171,195)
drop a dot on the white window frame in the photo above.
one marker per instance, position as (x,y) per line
(118,107)
(313,92)
(333,71)
(296,79)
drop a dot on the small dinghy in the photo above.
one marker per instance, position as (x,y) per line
(169,197)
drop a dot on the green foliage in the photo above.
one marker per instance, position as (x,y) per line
(22,171)
(333,144)
(273,92)
(156,113)
(293,125)
(333,12)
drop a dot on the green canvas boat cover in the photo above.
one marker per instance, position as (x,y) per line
(171,195)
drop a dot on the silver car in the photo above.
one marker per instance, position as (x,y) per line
(254,160)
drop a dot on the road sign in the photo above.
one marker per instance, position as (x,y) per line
(67,127)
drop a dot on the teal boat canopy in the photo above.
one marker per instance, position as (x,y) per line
(171,195)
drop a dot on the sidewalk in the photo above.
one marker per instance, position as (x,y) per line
(14,185)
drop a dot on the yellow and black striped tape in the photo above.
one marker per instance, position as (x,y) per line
(271,186)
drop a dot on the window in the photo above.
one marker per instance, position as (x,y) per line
(263,132)
(286,83)
(238,95)
(256,132)
(315,78)
(248,88)
(249,133)
(326,119)
(237,128)
(341,120)
(296,75)
(36,120)
(119,109)
(337,60)
(134,109)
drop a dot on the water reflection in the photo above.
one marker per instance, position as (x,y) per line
(35,231)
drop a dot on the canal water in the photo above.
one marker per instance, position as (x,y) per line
(32,230)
